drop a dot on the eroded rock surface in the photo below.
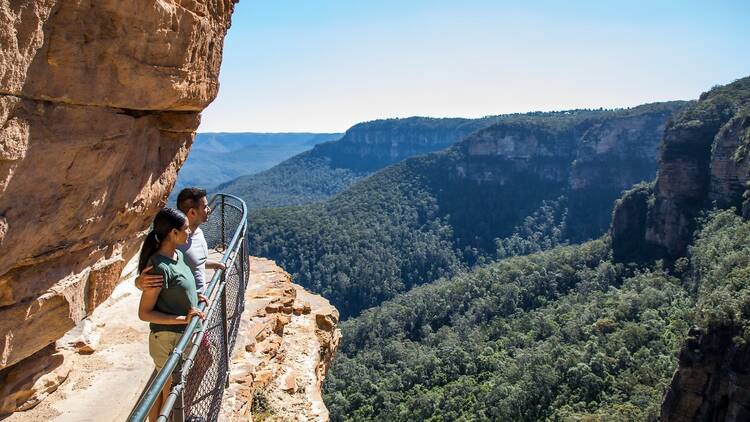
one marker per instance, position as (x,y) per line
(704,160)
(286,343)
(587,157)
(99,102)
(712,382)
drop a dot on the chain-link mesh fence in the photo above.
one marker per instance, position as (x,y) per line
(198,383)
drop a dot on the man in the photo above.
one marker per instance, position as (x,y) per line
(192,202)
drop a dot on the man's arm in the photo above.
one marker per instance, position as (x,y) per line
(215,265)
(149,281)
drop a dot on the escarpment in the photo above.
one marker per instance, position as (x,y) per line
(703,161)
(287,340)
(370,146)
(99,103)
(587,156)
(703,165)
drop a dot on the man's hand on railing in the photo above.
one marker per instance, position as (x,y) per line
(216,265)
(203,298)
(195,312)
(148,281)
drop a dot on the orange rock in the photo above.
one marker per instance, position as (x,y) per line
(289,382)
(272,308)
(31,381)
(99,110)
(262,378)
(281,321)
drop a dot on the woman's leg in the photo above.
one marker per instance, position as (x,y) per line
(160,345)
(153,414)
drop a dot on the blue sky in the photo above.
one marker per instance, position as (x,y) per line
(324,65)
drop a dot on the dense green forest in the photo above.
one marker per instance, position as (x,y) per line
(560,335)
(332,167)
(431,216)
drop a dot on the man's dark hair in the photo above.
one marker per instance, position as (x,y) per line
(189,198)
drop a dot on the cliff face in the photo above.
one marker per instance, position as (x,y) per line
(99,102)
(589,157)
(711,382)
(286,343)
(703,160)
(703,163)
(373,145)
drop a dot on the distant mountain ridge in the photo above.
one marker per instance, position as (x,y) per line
(216,158)
(333,166)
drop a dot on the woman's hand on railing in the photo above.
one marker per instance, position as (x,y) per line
(203,298)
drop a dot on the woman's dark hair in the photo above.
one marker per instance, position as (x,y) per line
(166,220)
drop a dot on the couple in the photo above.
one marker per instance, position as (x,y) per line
(172,268)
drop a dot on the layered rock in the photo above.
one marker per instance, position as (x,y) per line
(286,343)
(703,164)
(370,146)
(99,103)
(703,161)
(590,157)
(712,382)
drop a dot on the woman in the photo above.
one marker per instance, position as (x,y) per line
(168,308)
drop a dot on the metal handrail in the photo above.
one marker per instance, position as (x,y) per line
(175,366)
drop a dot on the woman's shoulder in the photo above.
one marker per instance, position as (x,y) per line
(161,266)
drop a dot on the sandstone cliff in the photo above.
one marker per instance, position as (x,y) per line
(370,146)
(711,382)
(99,103)
(703,161)
(288,338)
(587,156)
(286,343)
(703,164)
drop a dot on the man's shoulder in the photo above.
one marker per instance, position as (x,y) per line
(198,232)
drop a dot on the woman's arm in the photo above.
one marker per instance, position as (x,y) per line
(147,313)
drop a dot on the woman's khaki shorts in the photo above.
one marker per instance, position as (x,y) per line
(160,345)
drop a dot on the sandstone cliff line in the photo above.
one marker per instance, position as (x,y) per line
(99,102)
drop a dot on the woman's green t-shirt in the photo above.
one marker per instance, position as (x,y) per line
(178,293)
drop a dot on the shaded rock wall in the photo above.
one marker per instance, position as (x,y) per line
(588,156)
(712,382)
(703,161)
(99,103)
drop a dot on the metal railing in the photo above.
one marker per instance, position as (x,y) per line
(199,364)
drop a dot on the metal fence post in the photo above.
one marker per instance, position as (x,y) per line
(178,411)
(242,257)
(224,324)
(223,222)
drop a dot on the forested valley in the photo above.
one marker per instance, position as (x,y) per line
(539,269)
(526,184)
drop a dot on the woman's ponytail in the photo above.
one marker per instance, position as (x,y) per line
(166,220)
(150,246)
